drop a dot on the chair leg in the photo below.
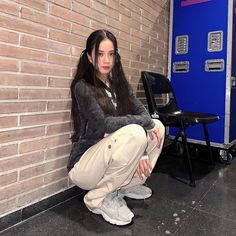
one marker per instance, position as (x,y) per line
(177,136)
(208,143)
(188,160)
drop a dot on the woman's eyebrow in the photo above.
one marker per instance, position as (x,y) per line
(104,51)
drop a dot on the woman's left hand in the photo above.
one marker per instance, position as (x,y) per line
(155,134)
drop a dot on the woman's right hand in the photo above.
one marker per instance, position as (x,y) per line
(144,168)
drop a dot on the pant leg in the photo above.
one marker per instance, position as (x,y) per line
(153,154)
(109,164)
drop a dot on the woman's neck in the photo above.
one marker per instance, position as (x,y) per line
(104,79)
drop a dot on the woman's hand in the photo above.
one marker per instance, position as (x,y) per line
(144,168)
(155,134)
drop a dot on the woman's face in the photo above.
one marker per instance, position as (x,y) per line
(106,57)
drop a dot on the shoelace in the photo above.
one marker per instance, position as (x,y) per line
(116,197)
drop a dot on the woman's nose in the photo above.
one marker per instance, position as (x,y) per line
(106,58)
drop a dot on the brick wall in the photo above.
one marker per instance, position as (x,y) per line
(40,43)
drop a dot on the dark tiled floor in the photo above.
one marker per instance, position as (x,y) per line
(174,209)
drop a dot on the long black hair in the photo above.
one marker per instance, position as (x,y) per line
(88,72)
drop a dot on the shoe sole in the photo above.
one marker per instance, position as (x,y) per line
(137,197)
(108,219)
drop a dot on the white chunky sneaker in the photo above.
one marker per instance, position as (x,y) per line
(136,192)
(114,210)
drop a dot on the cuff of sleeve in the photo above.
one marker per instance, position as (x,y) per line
(150,130)
(144,157)
(151,127)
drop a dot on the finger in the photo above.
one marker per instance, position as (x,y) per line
(150,135)
(158,139)
(149,166)
(142,167)
(139,173)
(145,168)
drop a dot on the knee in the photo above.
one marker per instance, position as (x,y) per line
(137,133)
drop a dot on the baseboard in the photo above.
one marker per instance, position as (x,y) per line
(31,210)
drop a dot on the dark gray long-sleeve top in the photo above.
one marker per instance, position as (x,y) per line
(94,123)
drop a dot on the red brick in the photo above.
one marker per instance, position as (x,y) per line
(9,37)
(21,134)
(58,152)
(58,129)
(8,150)
(139,34)
(22,26)
(148,60)
(75,51)
(40,193)
(44,19)
(121,9)
(42,168)
(59,83)
(43,118)
(61,60)
(21,161)
(130,21)
(124,44)
(59,106)
(22,80)
(105,10)
(44,143)
(122,26)
(88,11)
(20,187)
(97,25)
(9,178)
(80,30)
(139,65)
(44,94)
(9,7)
(131,5)
(68,15)
(44,44)
(7,205)
(85,2)
(129,38)
(19,107)
(131,71)
(45,69)
(140,51)
(8,64)
(37,4)
(56,175)
(8,93)
(8,122)
(63,3)
(66,38)
(22,53)
(129,55)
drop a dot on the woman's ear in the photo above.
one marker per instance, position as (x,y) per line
(89,58)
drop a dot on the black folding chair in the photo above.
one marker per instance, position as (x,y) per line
(158,86)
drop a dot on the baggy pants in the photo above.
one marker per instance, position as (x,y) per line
(111,163)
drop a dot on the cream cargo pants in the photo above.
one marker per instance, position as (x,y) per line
(111,163)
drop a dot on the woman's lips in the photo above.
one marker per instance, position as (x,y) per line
(106,67)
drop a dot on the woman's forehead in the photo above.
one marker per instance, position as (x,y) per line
(106,45)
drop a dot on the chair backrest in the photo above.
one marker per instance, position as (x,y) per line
(157,86)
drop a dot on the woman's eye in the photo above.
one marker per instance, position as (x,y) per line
(100,54)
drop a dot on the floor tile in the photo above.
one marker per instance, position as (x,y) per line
(204,224)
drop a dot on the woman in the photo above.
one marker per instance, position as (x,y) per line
(115,143)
